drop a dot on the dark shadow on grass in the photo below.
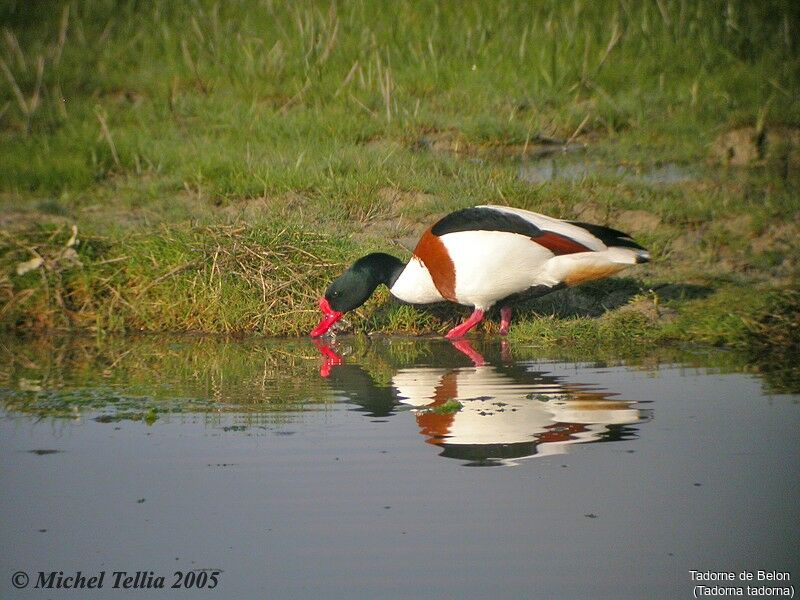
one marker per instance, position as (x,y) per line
(591,300)
(682,291)
(599,297)
(588,300)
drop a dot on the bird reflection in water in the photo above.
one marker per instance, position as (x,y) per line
(488,413)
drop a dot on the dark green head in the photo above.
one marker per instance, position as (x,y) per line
(354,287)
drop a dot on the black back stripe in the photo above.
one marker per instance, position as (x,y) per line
(484,219)
(488,219)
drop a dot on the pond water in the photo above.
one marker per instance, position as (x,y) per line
(355,469)
(572,170)
(577,167)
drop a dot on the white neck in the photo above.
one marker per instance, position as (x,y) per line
(415,284)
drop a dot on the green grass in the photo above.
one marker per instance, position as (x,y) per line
(240,98)
(222,161)
(449,407)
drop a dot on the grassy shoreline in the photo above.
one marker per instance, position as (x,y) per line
(221,162)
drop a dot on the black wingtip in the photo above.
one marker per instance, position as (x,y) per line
(610,237)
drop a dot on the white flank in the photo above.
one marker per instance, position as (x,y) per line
(491,265)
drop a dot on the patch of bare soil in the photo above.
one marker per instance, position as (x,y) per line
(777,237)
(251,209)
(745,146)
(590,212)
(404,201)
(651,310)
(629,221)
(740,226)
(636,221)
(11,220)
(401,216)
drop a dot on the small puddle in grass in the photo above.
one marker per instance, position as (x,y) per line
(337,468)
(571,170)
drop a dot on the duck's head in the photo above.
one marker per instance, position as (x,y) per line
(354,287)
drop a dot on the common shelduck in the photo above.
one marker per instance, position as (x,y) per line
(483,255)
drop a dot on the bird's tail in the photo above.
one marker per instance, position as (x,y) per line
(627,255)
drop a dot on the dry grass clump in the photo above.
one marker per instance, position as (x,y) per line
(214,279)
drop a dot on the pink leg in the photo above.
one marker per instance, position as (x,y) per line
(459,330)
(505,319)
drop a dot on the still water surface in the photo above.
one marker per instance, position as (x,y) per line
(355,469)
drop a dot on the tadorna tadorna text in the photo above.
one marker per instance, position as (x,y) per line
(481,256)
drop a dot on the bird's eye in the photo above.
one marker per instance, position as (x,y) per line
(335,294)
